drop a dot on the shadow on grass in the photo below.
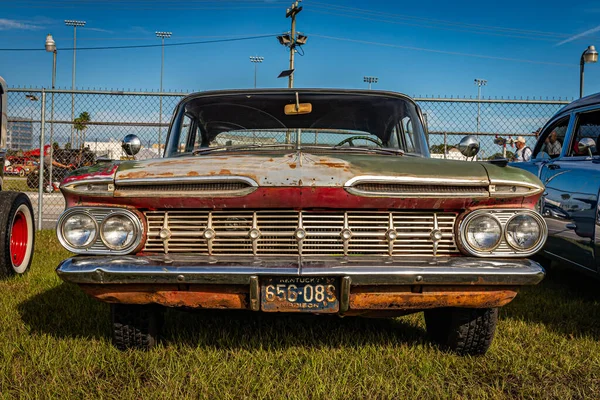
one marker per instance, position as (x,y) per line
(66,312)
(566,301)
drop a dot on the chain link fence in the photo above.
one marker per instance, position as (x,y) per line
(81,127)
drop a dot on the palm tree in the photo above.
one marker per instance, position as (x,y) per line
(80,125)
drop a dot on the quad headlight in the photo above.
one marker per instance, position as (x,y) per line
(99,230)
(523,232)
(118,231)
(497,233)
(483,233)
(79,230)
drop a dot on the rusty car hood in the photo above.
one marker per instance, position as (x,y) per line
(300,168)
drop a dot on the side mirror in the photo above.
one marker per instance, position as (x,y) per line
(469,146)
(131,145)
(586,146)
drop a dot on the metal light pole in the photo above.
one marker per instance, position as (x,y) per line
(51,48)
(370,80)
(162,36)
(256,60)
(590,55)
(479,83)
(74,24)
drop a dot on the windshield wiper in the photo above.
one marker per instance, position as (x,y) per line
(205,150)
(380,150)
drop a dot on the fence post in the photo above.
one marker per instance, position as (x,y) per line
(41,167)
(445,144)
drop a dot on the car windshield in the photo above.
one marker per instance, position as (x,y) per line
(254,121)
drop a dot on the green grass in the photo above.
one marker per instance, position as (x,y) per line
(17,184)
(55,343)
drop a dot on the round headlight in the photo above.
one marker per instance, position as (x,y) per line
(523,232)
(79,230)
(118,232)
(483,233)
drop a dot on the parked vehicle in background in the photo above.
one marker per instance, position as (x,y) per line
(19,166)
(17,226)
(298,200)
(566,158)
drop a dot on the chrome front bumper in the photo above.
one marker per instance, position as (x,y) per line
(177,269)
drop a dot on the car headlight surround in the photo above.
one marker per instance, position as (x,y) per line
(524,231)
(79,230)
(483,232)
(533,235)
(105,240)
(118,231)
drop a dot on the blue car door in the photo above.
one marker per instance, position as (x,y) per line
(570,202)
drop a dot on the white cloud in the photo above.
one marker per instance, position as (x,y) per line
(98,30)
(580,35)
(7,24)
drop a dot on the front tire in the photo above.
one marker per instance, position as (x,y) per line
(17,233)
(135,326)
(465,331)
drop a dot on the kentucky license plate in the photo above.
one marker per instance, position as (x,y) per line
(300,294)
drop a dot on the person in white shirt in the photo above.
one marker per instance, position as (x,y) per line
(523,153)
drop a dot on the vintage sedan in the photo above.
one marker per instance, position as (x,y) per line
(298,200)
(567,160)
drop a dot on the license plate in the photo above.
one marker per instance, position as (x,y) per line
(299,294)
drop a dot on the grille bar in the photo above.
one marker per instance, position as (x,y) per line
(277,233)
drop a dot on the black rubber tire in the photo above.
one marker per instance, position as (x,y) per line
(135,326)
(464,331)
(21,172)
(12,203)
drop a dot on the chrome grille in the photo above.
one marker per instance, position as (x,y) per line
(425,189)
(396,233)
(185,187)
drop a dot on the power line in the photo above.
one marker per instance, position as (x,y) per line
(437,21)
(152,45)
(429,23)
(443,51)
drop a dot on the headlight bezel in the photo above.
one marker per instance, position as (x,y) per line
(136,230)
(503,248)
(99,215)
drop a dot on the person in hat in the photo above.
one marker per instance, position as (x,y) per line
(523,153)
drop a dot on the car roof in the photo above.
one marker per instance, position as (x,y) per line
(363,92)
(590,100)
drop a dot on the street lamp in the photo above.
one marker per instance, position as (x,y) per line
(74,24)
(256,60)
(162,36)
(370,80)
(479,83)
(590,55)
(51,48)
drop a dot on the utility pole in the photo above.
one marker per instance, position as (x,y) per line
(292,40)
(256,60)
(74,24)
(162,36)
(479,83)
(291,13)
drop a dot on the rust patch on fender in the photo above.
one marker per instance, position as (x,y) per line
(405,298)
(193,173)
(293,165)
(195,296)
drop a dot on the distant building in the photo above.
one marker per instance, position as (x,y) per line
(19,135)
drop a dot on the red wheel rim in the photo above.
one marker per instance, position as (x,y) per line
(18,239)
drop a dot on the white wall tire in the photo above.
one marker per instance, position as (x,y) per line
(17,233)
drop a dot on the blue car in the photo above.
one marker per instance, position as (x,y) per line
(566,158)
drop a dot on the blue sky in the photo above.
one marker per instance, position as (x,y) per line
(419,47)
